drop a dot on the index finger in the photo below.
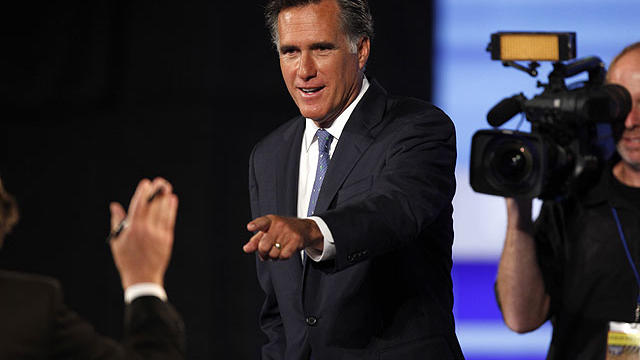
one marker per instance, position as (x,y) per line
(160,186)
(152,190)
(138,196)
(259,224)
(170,215)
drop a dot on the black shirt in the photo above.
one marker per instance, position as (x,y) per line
(585,268)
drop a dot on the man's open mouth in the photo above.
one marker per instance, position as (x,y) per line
(311,90)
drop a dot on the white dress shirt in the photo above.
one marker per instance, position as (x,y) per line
(144,289)
(308,164)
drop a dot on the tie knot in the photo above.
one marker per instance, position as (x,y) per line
(324,140)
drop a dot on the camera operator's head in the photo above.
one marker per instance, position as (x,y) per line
(625,71)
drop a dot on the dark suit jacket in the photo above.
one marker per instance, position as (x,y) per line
(386,198)
(35,324)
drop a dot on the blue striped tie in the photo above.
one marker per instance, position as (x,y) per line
(324,144)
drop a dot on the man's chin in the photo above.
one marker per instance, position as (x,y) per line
(634,164)
(631,158)
(313,114)
(320,119)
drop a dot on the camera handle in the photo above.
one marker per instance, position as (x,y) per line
(531,69)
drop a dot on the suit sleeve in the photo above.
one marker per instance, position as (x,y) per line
(411,194)
(270,319)
(153,330)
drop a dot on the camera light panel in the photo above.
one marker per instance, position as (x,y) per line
(533,46)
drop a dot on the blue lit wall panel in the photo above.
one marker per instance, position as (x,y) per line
(467,85)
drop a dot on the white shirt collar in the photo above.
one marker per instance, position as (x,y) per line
(338,124)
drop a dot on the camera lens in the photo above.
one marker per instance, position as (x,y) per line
(510,162)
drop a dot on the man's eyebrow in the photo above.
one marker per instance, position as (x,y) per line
(323,45)
(287,48)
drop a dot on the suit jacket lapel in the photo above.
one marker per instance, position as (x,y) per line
(356,137)
(287,159)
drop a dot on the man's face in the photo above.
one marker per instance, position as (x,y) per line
(321,74)
(626,72)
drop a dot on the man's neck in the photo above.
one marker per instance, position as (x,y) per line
(626,174)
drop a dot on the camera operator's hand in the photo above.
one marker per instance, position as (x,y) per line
(520,287)
(519,214)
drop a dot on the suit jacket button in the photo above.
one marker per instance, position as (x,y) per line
(311,320)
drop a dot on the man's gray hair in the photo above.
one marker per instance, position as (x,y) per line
(355,18)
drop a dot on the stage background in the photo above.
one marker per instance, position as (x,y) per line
(97,95)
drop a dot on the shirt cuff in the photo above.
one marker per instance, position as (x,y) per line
(144,289)
(329,250)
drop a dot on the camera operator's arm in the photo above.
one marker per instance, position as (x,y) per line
(519,287)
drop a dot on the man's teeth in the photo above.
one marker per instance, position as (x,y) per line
(310,90)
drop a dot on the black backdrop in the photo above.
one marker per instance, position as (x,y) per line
(99,94)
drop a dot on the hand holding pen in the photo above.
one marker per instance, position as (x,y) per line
(115,232)
(142,239)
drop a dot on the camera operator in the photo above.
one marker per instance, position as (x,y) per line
(576,265)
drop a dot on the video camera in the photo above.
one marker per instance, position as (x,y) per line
(560,154)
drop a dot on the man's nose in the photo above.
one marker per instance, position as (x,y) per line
(307,67)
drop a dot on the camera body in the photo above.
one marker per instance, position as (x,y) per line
(518,164)
(508,163)
(560,155)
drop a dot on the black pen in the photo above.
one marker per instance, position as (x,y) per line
(124,223)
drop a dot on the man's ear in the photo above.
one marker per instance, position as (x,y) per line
(364,46)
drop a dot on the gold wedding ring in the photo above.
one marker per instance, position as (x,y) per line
(277,245)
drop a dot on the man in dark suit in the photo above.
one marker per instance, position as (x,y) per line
(36,324)
(356,263)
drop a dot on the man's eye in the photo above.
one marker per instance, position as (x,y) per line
(322,51)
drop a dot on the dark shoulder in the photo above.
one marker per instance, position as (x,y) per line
(418,116)
(27,283)
(281,134)
(412,112)
(402,106)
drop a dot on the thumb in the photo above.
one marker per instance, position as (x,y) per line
(117,214)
